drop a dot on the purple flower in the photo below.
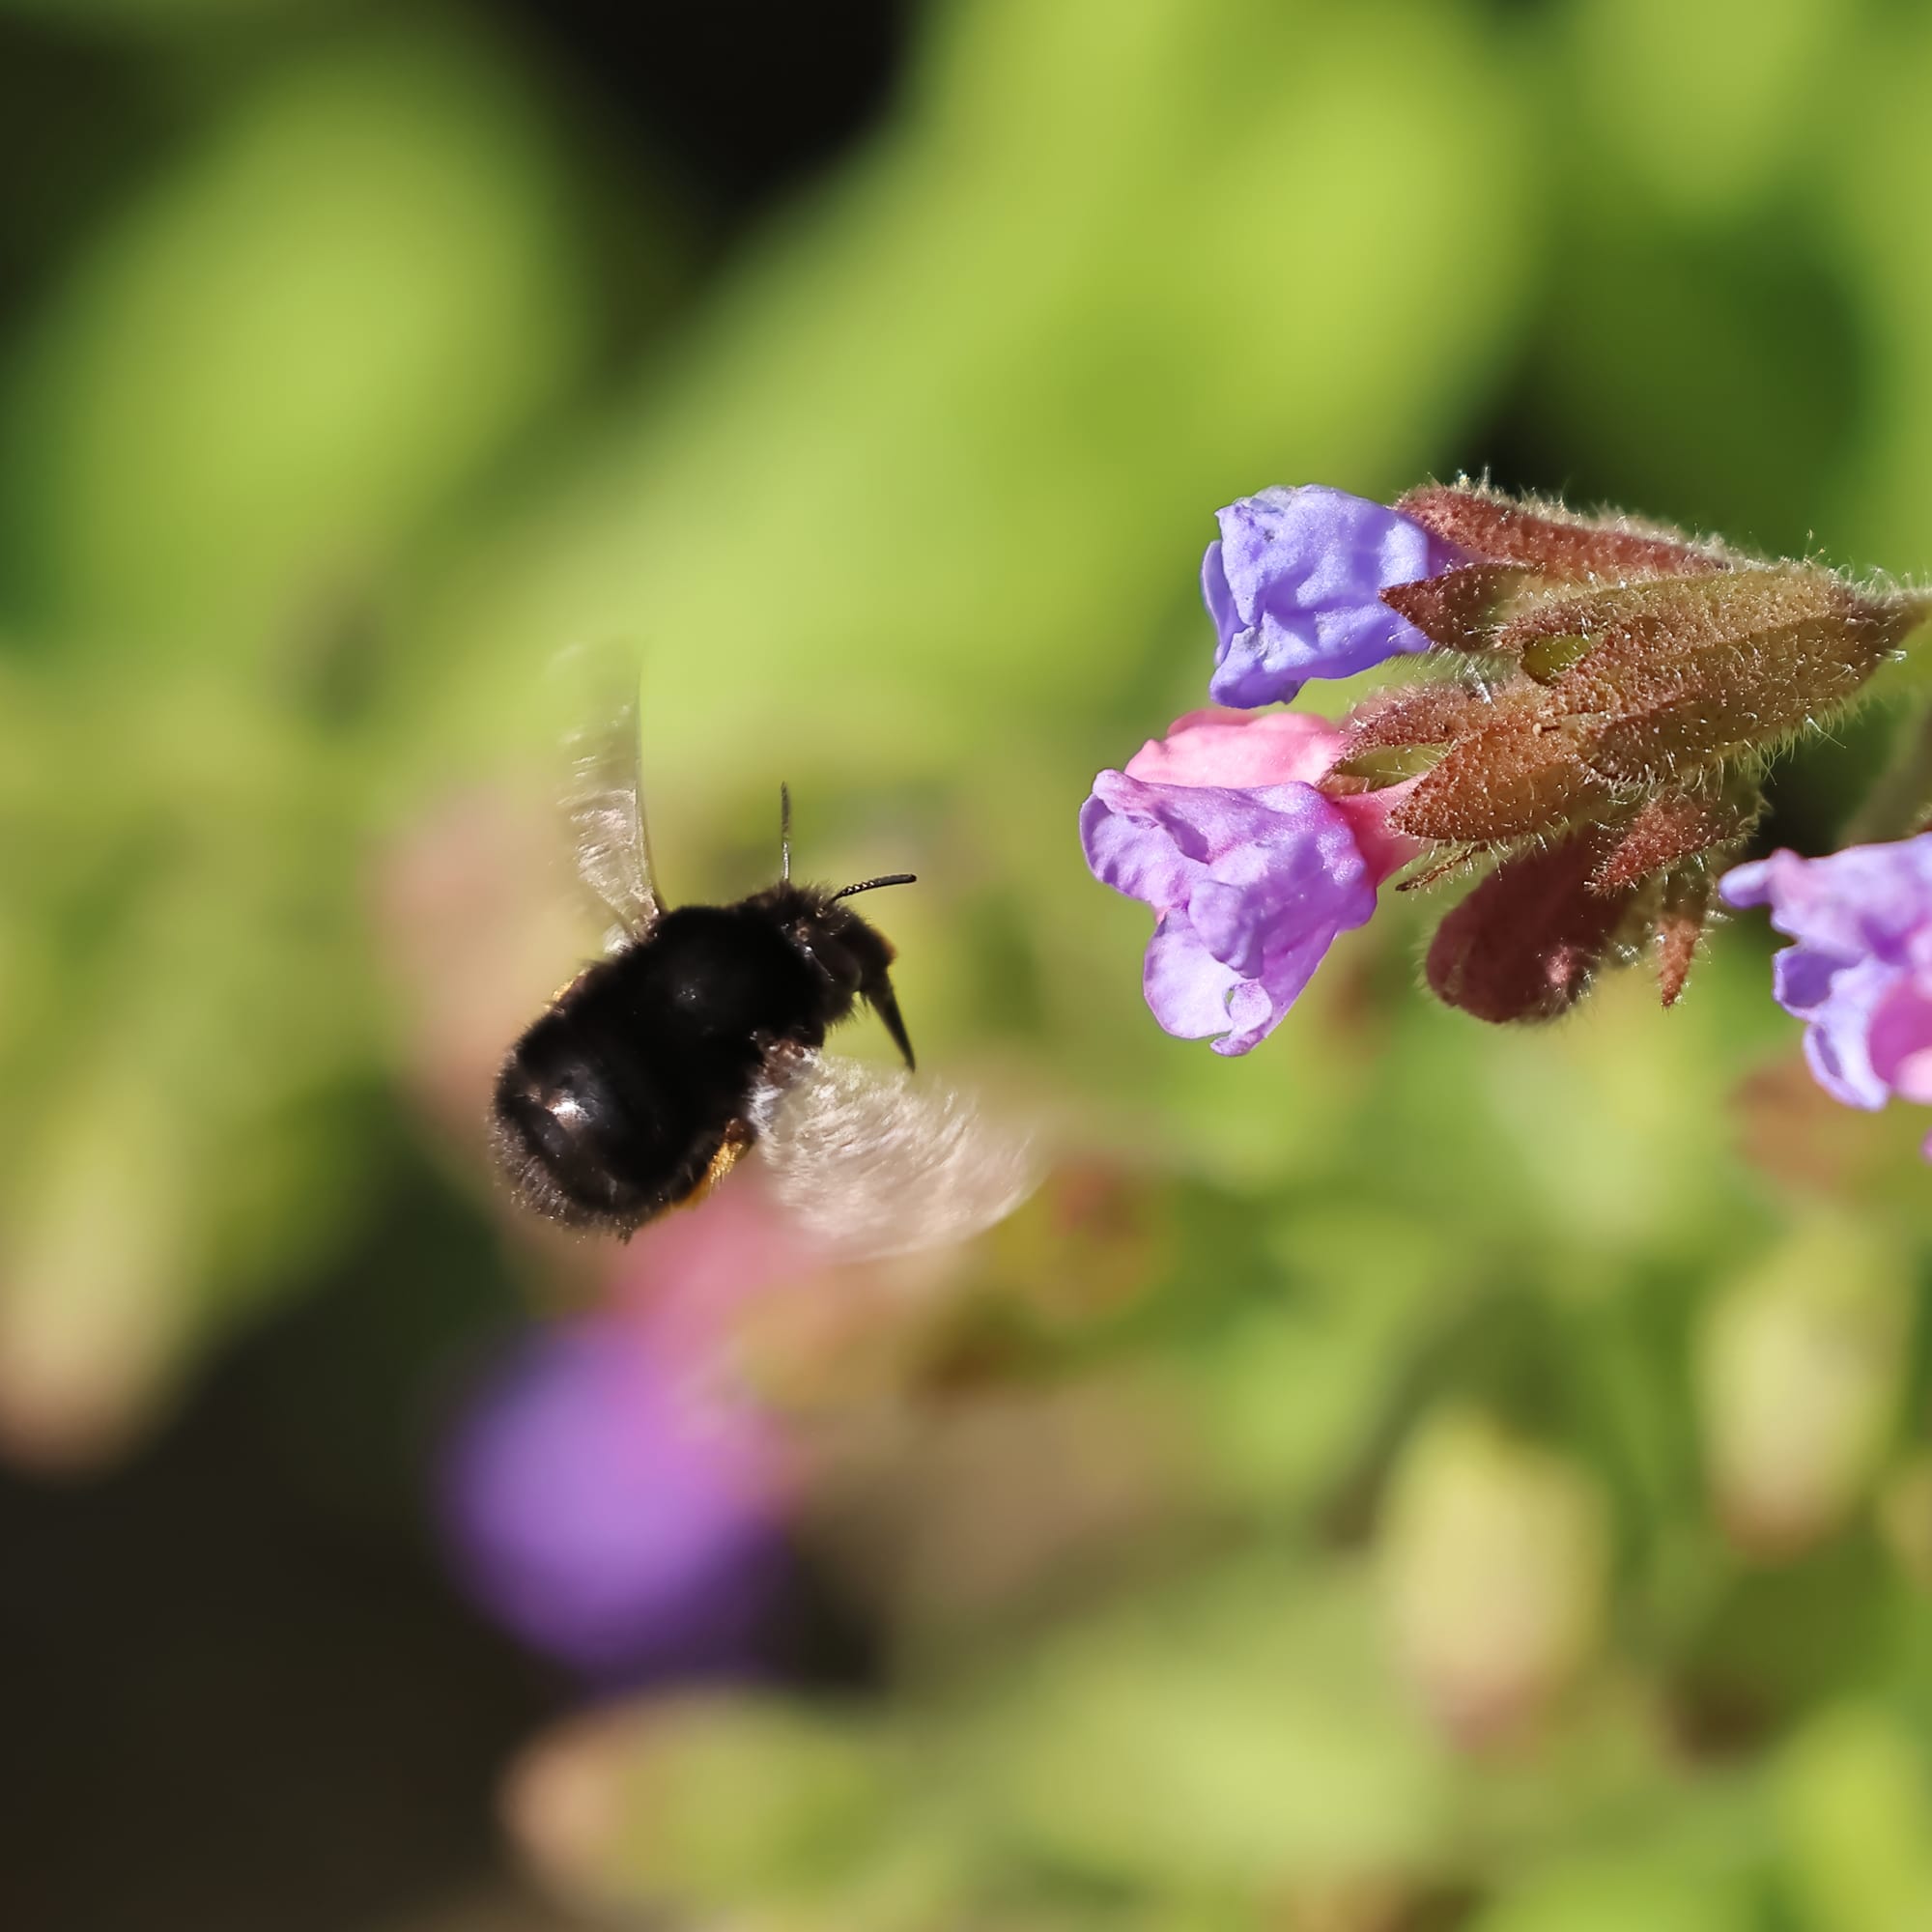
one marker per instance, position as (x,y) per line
(609,1508)
(1294,589)
(1860,973)
(1252,872)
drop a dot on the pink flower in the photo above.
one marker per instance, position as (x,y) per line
(1251,870)
(606,1501)
(609,1491)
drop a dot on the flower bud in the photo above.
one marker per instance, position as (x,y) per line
(1799,1366)
(1627,685)
(1495,1555)
(1524,944)
(1683,906)
(1515,775)
(1673,826)
(1546,537)
(1676,676)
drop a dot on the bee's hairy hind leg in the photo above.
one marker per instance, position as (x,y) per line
(731,1149)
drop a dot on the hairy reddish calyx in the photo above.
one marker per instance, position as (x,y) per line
(1604,696)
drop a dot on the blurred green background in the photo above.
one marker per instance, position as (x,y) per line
(1414,1477)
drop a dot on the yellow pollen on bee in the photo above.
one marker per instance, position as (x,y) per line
(731,1149)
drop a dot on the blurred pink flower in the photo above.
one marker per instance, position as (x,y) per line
(613,1510)
(608,1493)
(694,1271)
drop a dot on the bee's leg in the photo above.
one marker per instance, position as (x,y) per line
(731,1149)
(782,1059)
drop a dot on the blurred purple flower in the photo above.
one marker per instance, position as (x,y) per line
(609,1508)
(1252,872)
(1294,589)
(1860,975)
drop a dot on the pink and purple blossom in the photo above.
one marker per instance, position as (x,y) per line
(1860,973)
(604,1500)
(1294,584)
(1251,872)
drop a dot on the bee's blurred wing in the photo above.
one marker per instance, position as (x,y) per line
(602,799)
(873,1161)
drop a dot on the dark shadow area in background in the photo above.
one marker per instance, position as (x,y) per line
(738,98)
(733,103)
(232,1707)
(238,1694)
(80,124)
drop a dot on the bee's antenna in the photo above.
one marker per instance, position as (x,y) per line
(784,829)
(873,884)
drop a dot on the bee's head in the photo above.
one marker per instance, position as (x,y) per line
(853,954)
(559,1135)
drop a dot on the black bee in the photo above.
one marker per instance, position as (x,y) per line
(697,1036)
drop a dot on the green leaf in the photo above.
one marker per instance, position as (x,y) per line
(1229,1733)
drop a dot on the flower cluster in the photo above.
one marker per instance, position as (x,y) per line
(1593,704)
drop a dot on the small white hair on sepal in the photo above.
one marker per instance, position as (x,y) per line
(873,1161)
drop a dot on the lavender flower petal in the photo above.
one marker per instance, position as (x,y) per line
(1838,1027)
(1865,899)
(608,1512)
(1294,589)
(1252,887)
(1860,973)
(1186,988)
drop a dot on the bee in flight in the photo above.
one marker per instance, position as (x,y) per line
(697,1036)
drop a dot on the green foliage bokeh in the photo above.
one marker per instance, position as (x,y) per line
(383,378)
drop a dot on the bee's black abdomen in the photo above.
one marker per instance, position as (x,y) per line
(615,1102)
